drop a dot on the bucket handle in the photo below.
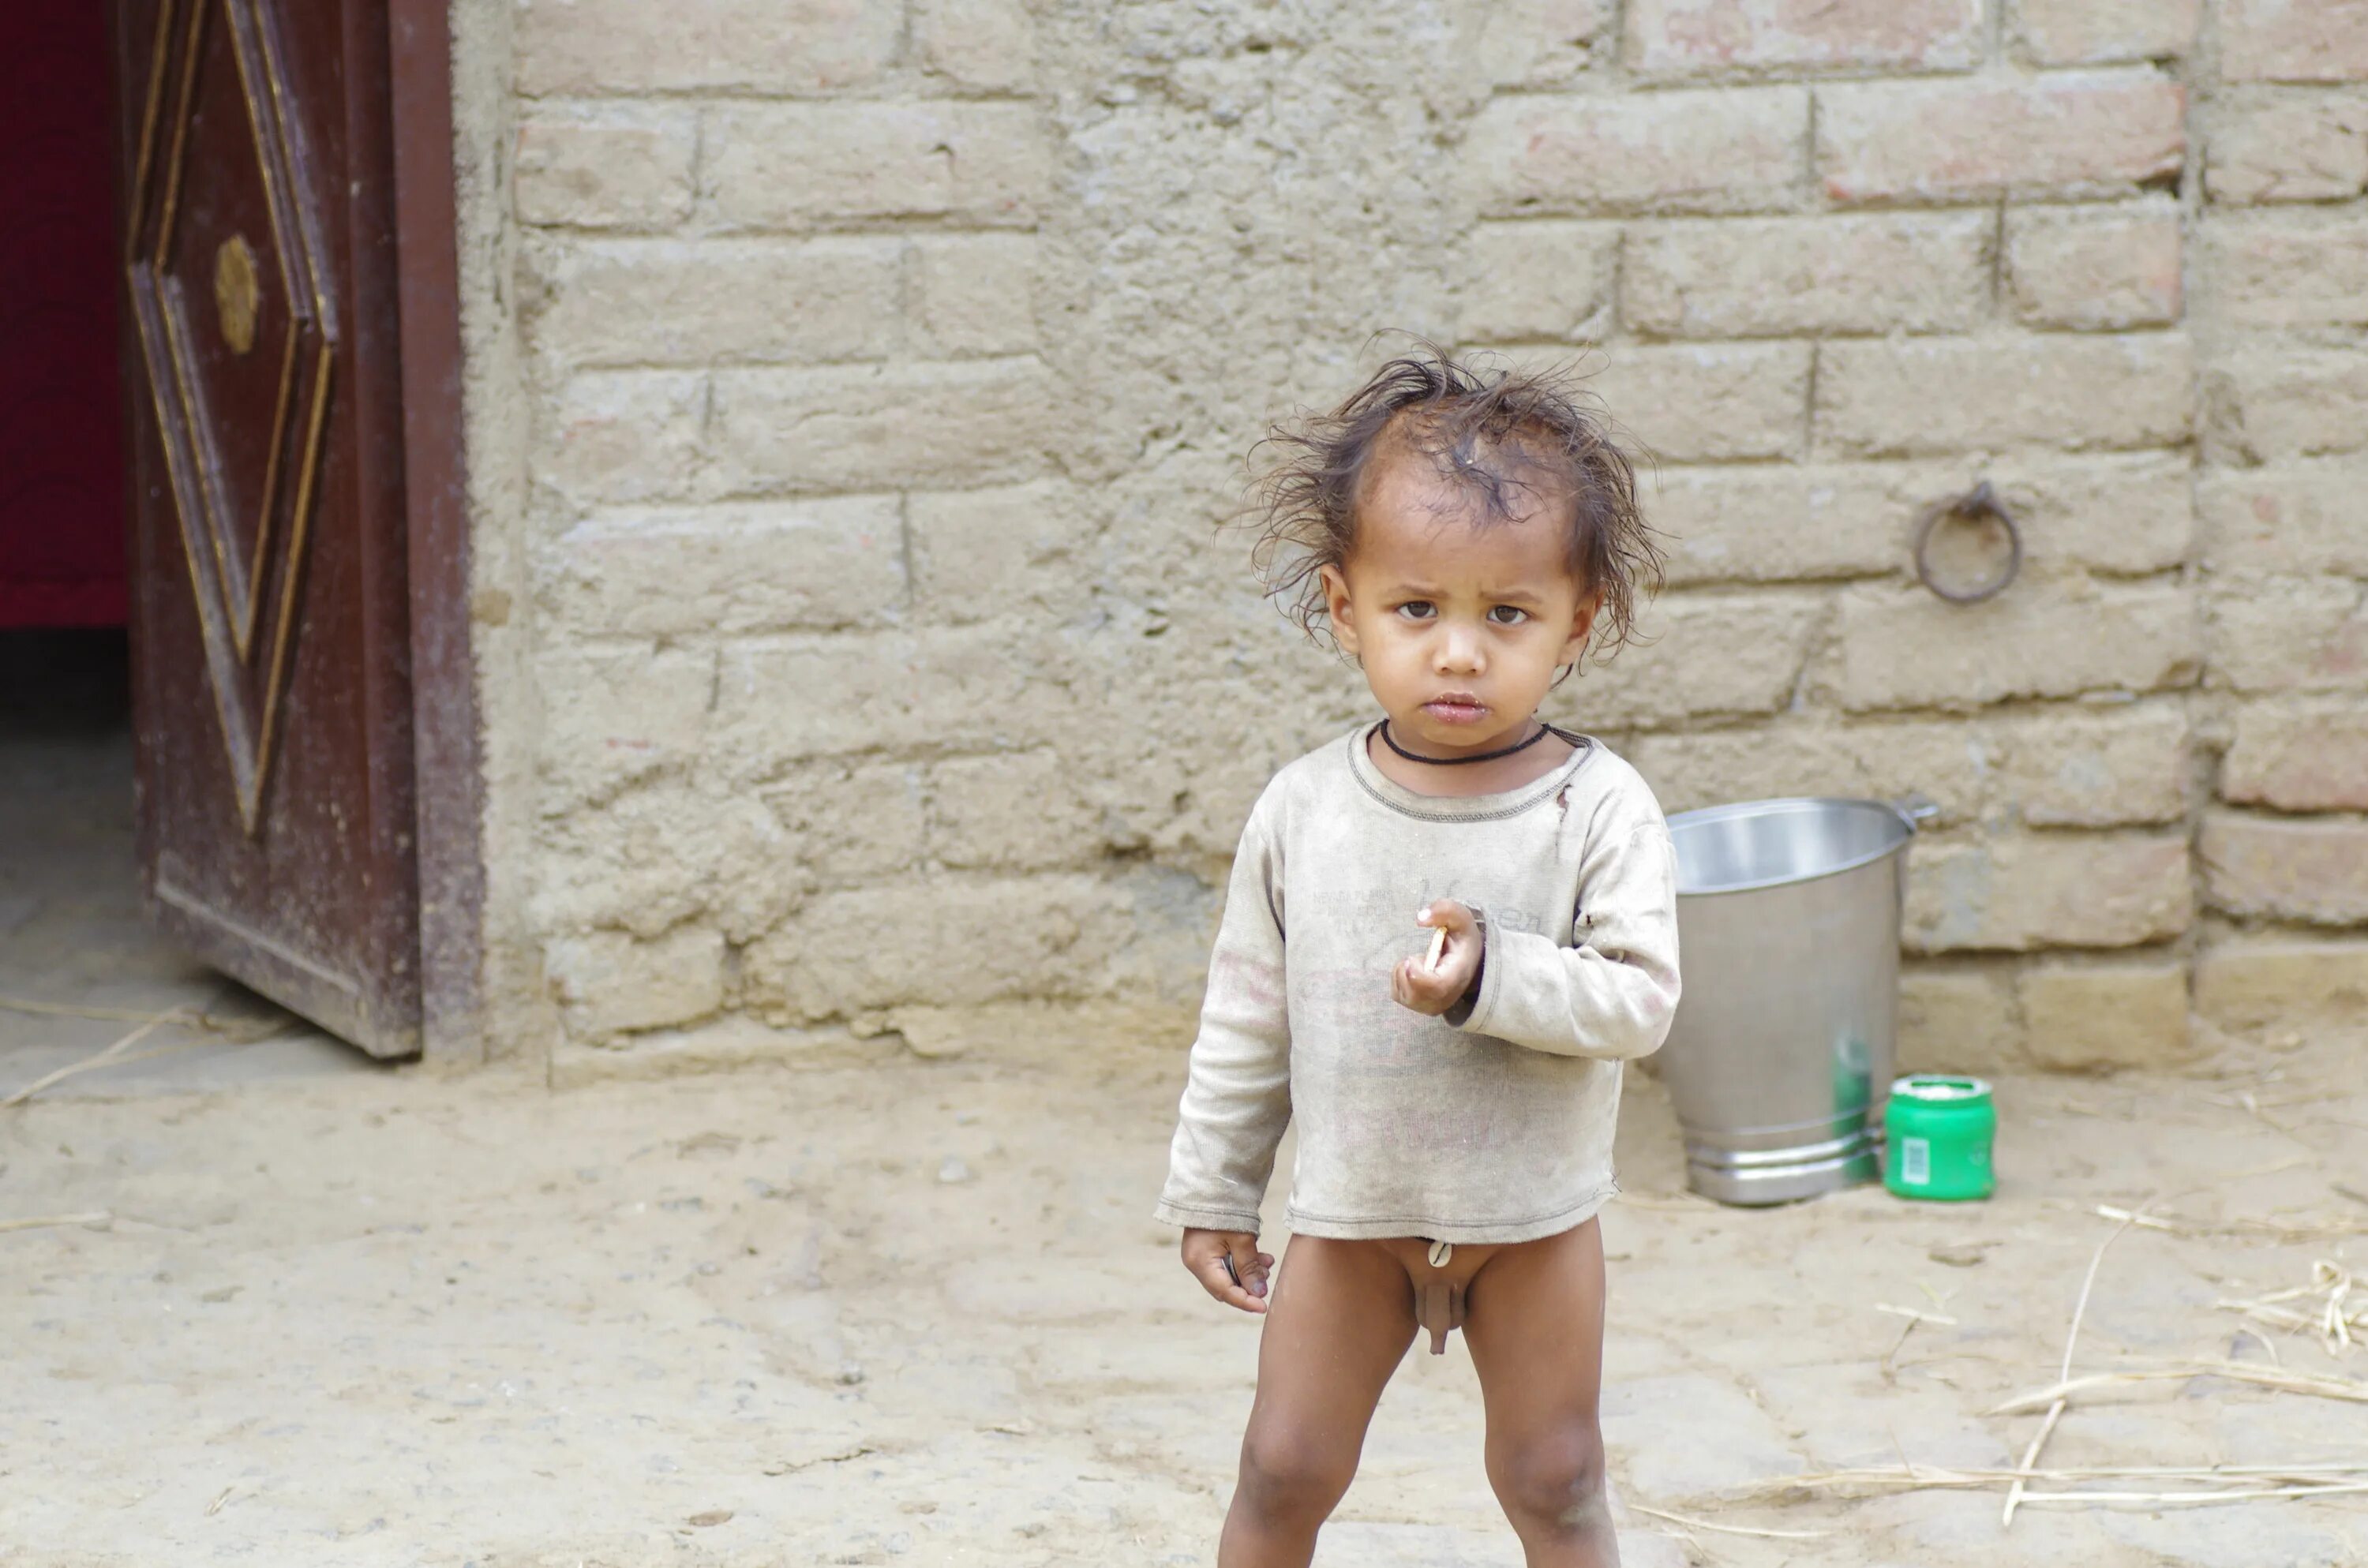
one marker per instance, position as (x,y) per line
(1915,810)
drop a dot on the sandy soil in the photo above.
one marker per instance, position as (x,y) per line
(912,1311)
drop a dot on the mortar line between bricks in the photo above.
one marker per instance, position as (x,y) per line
(824,227)
(1617,327)
(1809,402)
(890,98)
(1998,300)
(904,549)
(702,459)
(908,265)
(2170,576)
(1813,200)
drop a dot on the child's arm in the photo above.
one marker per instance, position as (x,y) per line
(1610,996)
(1237,1092)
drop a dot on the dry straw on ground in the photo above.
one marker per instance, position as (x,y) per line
(2244,1226)
(2335,1319)
(226,1030)
(2223,1484)
(2015,1488)
(2276,1379)
(1688,1522)
(47,1222)
(111,1057)
(197,1019)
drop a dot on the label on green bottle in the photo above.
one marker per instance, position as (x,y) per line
(1916,1161)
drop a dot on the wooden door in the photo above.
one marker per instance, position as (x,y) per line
(269,624)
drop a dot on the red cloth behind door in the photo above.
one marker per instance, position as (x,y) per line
(61,496)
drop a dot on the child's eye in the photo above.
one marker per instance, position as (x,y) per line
(1418,609)
(1507,615)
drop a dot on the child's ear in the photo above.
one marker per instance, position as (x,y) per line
(1336,607)
(1582,626)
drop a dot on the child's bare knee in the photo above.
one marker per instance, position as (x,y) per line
(1290,1475)
(1554,1482)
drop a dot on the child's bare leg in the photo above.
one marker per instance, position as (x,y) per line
(1339,1323)
(1535,1321)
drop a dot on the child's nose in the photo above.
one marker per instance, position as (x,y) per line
(1459,650)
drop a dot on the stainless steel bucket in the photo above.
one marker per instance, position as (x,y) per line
(1780,1059)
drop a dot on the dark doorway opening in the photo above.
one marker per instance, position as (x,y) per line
(61,523)
(81,969)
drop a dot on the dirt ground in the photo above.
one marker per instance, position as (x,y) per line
(912,1311)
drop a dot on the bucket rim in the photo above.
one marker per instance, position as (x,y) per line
(1940,1088)
(1795,803)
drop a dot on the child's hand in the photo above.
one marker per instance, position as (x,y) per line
(1207,1254)
(1433,988)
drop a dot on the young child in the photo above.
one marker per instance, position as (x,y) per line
(1445,932)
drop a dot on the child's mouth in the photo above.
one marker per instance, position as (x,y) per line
(1456,708)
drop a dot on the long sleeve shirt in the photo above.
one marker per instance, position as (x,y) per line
(1493,1126)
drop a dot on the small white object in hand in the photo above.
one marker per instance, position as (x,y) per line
(1438,946)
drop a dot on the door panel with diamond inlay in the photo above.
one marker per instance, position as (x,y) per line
(270,631)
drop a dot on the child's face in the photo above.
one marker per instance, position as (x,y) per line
(1460,625)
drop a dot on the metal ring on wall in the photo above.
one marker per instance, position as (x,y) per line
(1979,502)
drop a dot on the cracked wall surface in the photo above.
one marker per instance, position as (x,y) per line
(876,375)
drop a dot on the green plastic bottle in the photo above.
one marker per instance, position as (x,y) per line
(1938,1132)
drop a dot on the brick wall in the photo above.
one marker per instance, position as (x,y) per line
(2280,237)
(888,366)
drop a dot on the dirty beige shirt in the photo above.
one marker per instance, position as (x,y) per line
(1496,1128)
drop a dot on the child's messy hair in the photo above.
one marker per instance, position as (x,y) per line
(1509,438)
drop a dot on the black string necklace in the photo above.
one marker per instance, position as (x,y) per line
(1391,741)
